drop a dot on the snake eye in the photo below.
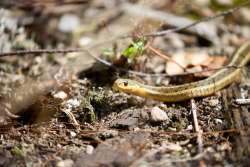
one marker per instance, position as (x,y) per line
(125,83)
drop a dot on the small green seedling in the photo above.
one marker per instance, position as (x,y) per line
(134,49)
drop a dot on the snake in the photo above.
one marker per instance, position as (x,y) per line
(206,87)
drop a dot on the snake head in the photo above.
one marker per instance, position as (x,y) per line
(125,85)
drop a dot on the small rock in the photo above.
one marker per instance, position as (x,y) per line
(189,127)
(73,103)
(108,134)
(224,146)
(127,119)
(68,23)
(218,121)
(213,102)
(65,163)
(158,115)
(244,15)
(172,129)
(85,41)
(72,134)
(172,146)
(89,149)
(61,95)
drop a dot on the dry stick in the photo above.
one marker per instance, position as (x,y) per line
(206,19)
(157,52)
(72,118)
(35,3)
(197,130)
(205,30)
(51,51)
(231,130)
(242,101)
(160,33)
(42,51)
(10,115)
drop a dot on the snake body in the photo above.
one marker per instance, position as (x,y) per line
(206,87)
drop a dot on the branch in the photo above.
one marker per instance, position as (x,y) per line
(206,19)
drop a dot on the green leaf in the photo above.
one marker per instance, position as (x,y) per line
(134,49)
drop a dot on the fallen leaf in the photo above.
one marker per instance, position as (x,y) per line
(172,68)
(193,62)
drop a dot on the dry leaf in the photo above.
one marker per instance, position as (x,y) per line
(172,68)
(215,63)
(193,62)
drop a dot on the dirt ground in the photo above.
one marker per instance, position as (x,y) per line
(58,107)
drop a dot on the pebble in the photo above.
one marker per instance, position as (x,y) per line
(89,149)
(213,102)
(73,103)
(218,121)
(172,146)
(189,127)
(72,134)
(61,95)
(68,23)
(85,41)
(65,163)
(109,134)
(244,14)
(158,115)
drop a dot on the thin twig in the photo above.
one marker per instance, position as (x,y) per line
(157,52)
(142,74)
(206,19)
(165,32)
(50,51)
(41,51)
(197,130)
(242,101)
(72,118)
(231,130)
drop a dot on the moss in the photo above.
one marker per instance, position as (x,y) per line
(16,151)
(88,111)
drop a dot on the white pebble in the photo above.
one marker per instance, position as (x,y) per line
(189,127)
(68,23)
(61,95)
(89,149)
(85,41)
(72,134)
(73,103)
(158,115)
(214,102)
(65,163)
